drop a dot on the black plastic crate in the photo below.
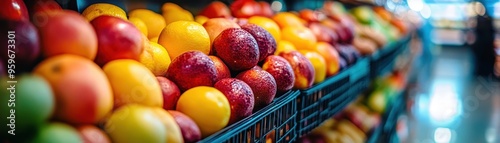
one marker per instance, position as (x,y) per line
(324,100)
(383,61)
(274,123)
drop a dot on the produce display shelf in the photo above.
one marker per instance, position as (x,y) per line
(276,122)
(382,62)
(386,131)
(325,99)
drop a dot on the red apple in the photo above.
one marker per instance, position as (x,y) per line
(117,39)
(240,97)
(282,72)
(302,68)
(245,8)
(323,33)
(237,48)
(222,70)
(191,69)
(190,131)
(216,9)
(24,44)
(13,10)
(263,86)
(265,41)
(215,26)
(266,10)
(170,91)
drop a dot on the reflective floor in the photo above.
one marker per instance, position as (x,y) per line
(451,105)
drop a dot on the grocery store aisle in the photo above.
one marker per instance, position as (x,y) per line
(453,105)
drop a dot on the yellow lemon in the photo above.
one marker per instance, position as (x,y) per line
(170,6)
(98,9)
(132,82)
(139,24)
(155,58)
(284,46)
(181,36)
(154,21)
(207,106)
(177,15)
(201,19)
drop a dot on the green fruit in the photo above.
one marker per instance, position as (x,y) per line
(28,103)
(363,14)
(57,133)
(133,123)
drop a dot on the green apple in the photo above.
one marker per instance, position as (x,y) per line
(133,123)
(57,133)
(363,14)
(377,101)
(27,103)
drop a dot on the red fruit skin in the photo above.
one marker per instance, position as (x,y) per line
(117,39)
(170,91)
(13,10)
(265,41)
(237,48)
(263,86)
(245,8)
(191,69)
(240,97)
(222,70)
(190,131)
(302,67)
(216,9)
(24,45)
(282,72)
(323,33)
(265,8)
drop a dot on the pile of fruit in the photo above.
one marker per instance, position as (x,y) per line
(110,75)
(360,118)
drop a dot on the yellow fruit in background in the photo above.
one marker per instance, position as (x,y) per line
(154,21)
(267,24)
(284,46)
(207,106)
(155,58)
(201,19)
(154,39)
(98,9)
(318,63)
(181,36)
(286,19)
(177,15)
(132,82)
(300,37)
(174,134)
(139,24)
(170,6)
(134,123)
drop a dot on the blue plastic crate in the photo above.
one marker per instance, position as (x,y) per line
(324,100)
(275,123)
(382,62)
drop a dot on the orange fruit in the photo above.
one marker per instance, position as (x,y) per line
(139,24)
(285,19)
(267,24)
(318,63)
(154,21)
(81,89)
(181,36)
(170,6)
(155,58)
(284,46)
(177,15)
(207,106)
(300,37)
(98,9)
(331,57)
